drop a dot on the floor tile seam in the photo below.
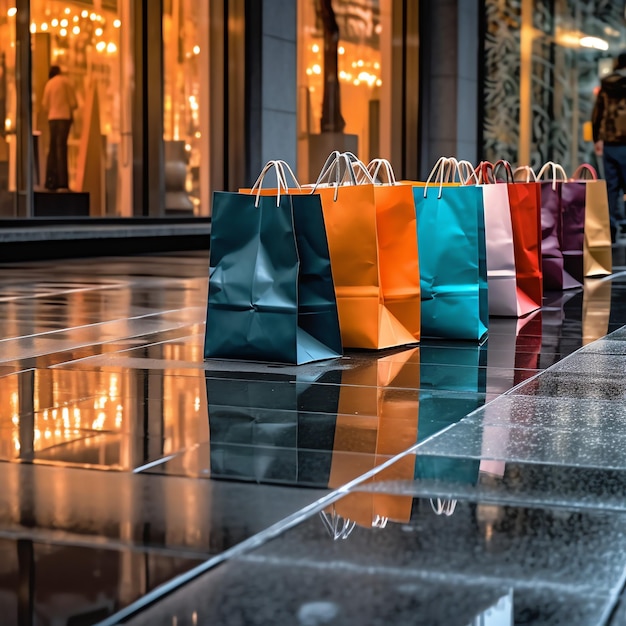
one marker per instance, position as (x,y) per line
(97,542)
(489,423)
(503,500)
(77,346)
(245,546)
(61,292)
(616,594)
(438,575)
(100,325)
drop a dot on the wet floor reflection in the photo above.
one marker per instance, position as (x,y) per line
(127,452)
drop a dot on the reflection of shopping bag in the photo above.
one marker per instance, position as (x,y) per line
(271,295)
(586,221)
(378,416)
(452,253)
(460,370)
(273,426)
(596,309)
(513,351)
(373,250)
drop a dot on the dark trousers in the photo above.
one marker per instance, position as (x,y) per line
(56,164)
(615,174)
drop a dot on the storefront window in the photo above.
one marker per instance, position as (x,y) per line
(90,41)
(186,107)
(8,109)
(543,63)
(362,122)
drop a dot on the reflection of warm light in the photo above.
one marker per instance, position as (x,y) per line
(309,71)
(188,147)
(98,32)
(44,26)
(117,23)
(76,30)
(84,13)
(113,386)
(63,32)
(594,42)
(33,28)
(75,18)
(8,123)
(196,49)
(196,404)
(111,48)
(317,69)
(67,11)
(100,46)
(64,23)
(93,17)
(376,65)
(12,11)
(356,82)
(379,83)
(54,22)
(360,63)
(341,50)
(198,134)
(315,48)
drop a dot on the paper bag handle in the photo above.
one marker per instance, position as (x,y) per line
(467,172)
(375,166)
(556,171)
(526,169)
(280,178)
(583,170)
(510,178)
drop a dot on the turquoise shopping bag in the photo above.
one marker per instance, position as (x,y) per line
(271,293)
(452,258)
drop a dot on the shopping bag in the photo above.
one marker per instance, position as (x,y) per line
(555,276)
(596,309)
(373,252)
(525,205)
(501,270)
(270,425)
(452,256)
(597,257)
(377,420)
(271,294)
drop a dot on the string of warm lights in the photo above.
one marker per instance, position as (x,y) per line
(68,24)
(355,72)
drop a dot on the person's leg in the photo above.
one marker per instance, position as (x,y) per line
(52,179)
(64,132)
(614,184)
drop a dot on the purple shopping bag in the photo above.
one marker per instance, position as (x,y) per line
(557,242)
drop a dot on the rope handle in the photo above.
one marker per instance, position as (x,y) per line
(437,172)
(556,171)
(585,172)
(510,178)
(526,169)
(375,166)
(280,178)
(484,173)
(467,172)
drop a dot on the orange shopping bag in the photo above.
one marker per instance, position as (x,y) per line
(377,419)
(372,238)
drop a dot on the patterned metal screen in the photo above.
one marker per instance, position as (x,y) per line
(564,73)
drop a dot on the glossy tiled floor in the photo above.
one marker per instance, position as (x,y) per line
(140,484)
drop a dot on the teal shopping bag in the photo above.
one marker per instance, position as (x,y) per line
(452,259)
(271,293)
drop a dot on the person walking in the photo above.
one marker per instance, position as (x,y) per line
(59,100)
(609,136)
